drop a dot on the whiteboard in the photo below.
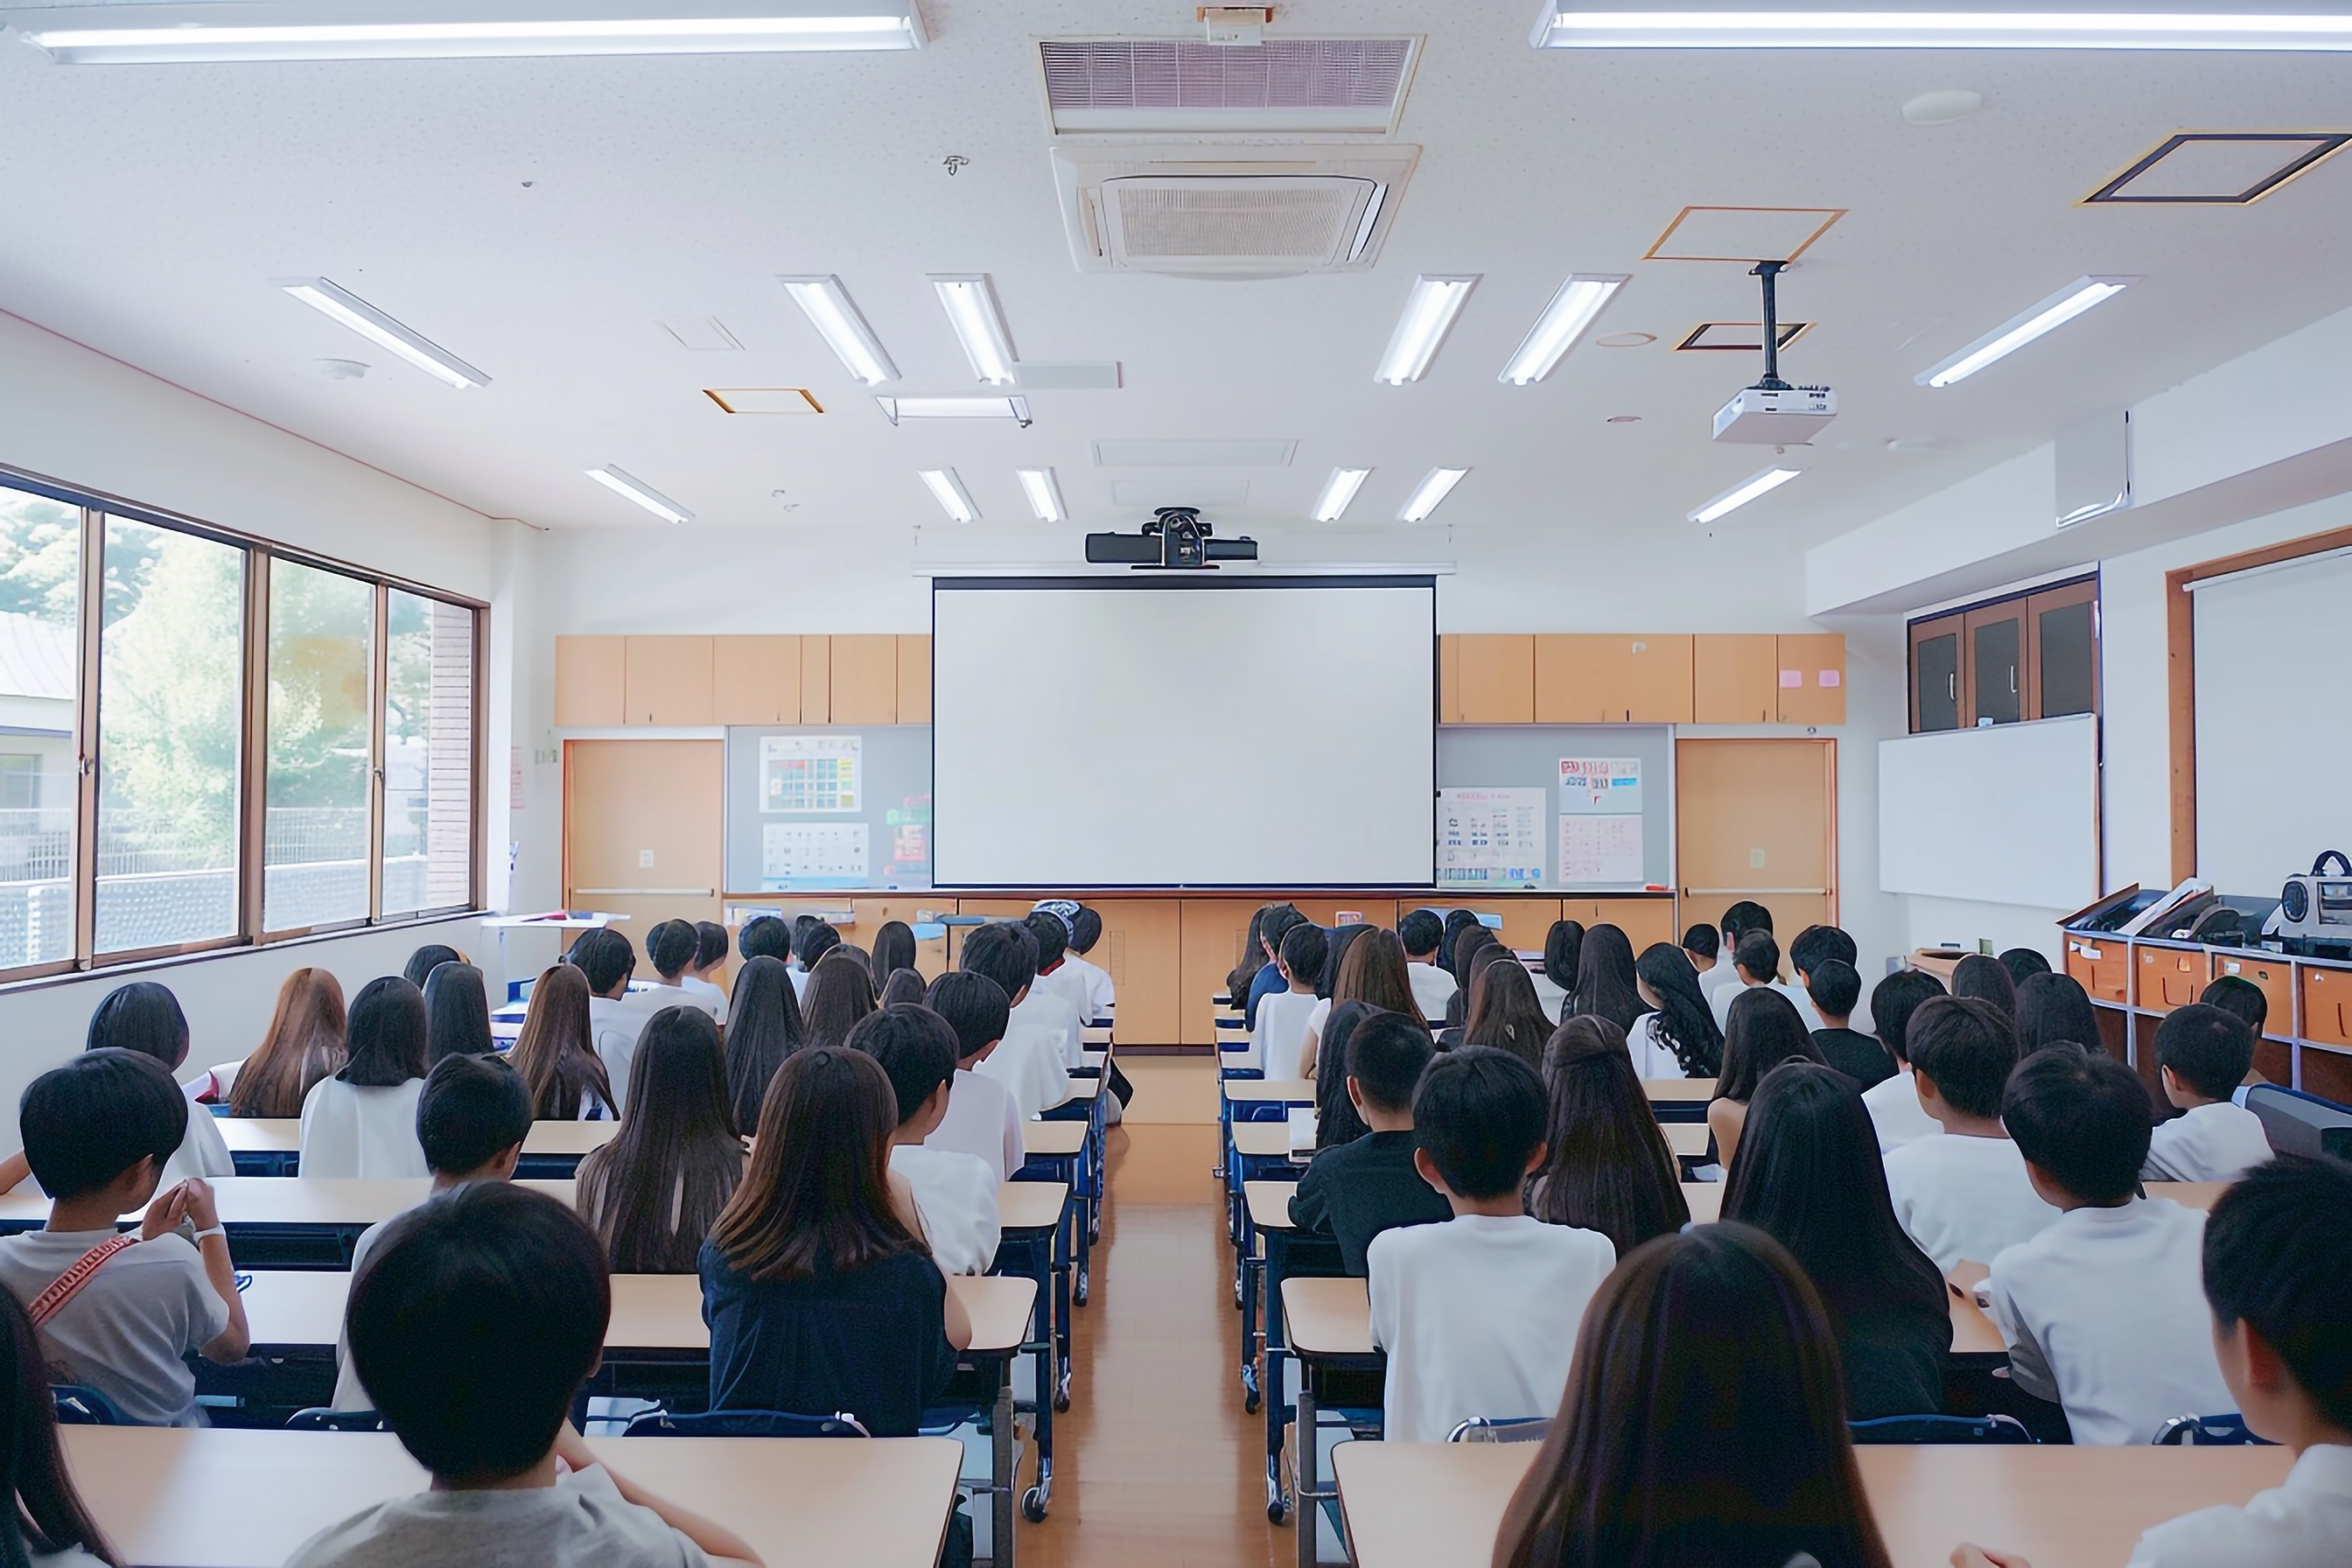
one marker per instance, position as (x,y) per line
(2273,723)
(2004,814)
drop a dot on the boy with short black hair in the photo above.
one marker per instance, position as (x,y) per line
(812,943)
(616,1015)
(1028,1059)
(1102,993)
(1964,1194)
(1756,961)
(955,1192)
(471,1120)
(1281,1028)
(2202,1054)
(2101,1309)
(982,1119)
(2241,999)
(1894,1104)
(432,1320)
(1834,989)
(118,1310)
(1741,918)
(1815,945)
(1355,1191)
(1274,925)
(1701,944)
(672,947)
(1479,1314)
(701,978)
(1421,933)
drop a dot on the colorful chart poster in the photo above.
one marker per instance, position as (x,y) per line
(1600,849)
(812,854)
(1600,786)
(802,774)
(910,841)
(1490,837)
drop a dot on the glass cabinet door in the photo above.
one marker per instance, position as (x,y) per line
(1998,677)
(2065,650)
(1936,675)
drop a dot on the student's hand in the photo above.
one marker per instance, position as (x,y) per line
(1966,1274)
(572,1448)
(1968,1555)
(203,1207)
(164,1214)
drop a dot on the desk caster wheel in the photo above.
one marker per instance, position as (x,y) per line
(1278,1510)
(1251,1402)
(1080,1291)
(1033,1506)
(1062,1397)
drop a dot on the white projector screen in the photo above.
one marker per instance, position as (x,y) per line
(1104,732)
(2004,814)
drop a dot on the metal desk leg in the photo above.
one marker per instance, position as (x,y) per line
(1001,1457)
(1306,1494)
(1040,1496)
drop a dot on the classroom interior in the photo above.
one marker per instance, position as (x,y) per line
(650,474)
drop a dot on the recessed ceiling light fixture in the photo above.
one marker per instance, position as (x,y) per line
(2022,329)
(896,409)
(634,488)
(1429,312)
(454,29)
(1745,490)
(973,311)
(1338,490)
(826,304)
(948,492)
(1044,493)
(1567,26)
(1434,487)
(350,310)
(1564,321)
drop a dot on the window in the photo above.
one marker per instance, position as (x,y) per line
(40,667)
(429,755)
(321,723)
(2026,655)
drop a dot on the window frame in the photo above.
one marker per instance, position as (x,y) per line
(2024,605)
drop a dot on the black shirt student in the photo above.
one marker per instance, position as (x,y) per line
(1356,1190)
(1835,990)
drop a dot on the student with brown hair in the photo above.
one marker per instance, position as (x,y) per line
(1505,1014)
(654,1192)
(303,1045)
(49,1525)
(1606,1164)
(1372,970)
(556,1052)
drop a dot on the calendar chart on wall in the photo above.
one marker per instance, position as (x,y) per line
(1570,807)
(811,809)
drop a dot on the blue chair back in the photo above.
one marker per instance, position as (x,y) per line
(2207,1431)
(1941,1429)
(78,1406)
(745,1424)
(2300,1124)
(319,1418)
(1508,1429)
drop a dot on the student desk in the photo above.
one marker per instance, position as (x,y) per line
(1438,1505)
(1084,1108)
(1264,1348)
(1033,1218)
(217,1498)
(1257,1151)
(271,1146)
(1679,1099)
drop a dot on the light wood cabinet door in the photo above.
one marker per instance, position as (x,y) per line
(668,681)
(591,675)
(817,681)
(1449,679)
(1573,682)
(755,680)
(1643,920)
(1758,819)
(642,831)
(1212,933)
(1142,949)
(914,680)
(1613,678)
(1655,677)
(1733,679)
(1810,671)
(1498,679)
(865,678)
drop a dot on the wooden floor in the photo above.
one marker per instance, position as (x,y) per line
(1156,1466)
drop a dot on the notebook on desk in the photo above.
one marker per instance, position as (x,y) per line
(1302,1134)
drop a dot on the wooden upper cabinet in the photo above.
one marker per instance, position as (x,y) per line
(668,681)
(1733,678)
(866,679)
(1497,676)
(817,681)
(1654,671)
(1811,672)
(914,680)
(1613,678)
(1571,681)
(1449,679)
(755,680)
(590,676)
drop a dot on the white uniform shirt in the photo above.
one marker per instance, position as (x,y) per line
(706,996)
(1894,1109)
(1964,1197)
(614,1025)
(1432,988)
(1049,1009)
(1549,998)
(203,1151)
(124,1332)
(1479,1317)
(1028,1063)
(981,1121)
(366,1133)
(1102,995)
(1070,985)
(1653,1057)
(2303,1524)
(1722,975)
(581,1522)
(661,994)
(800,980)
(2105,1311)
(1722,997)
(1281,1032)
(955,1193)
(2218,1142)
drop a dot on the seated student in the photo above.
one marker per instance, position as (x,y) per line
(1336,1121)
(905,988)
(2054,1009)
(1809,1175)
(2241,999)
(1757,964)
(654,1192)
(2023,964)
(1563,951)
(2101,1309)
(1244,973)
(1814,945)
(1605,982)
(1703,1422)
(426,959)
(894,949)
(700,980)
(1606,1167)
(2202,1054)
(1765,1032)
(1503,1013)
(49,1525)
(1983,978)
(145,1017)
(1834,988)
(1281,1027)
(556,1052)
(1702,945)
(955,1192)
(837,996)
(1894,1104)
(1337,944)
(671,948)
(1432,987)
(1677,1037)
(456,1013)
(1741,918)
(1472,951)
(1274,925)
(1102,993)
(820,1292)
(304,1044)
(767,936)
(982,1119)
(1965,1195)
(1370,970)
(470,1121)
(1028,1057)
(616,1015)
(1478,1314)
(811,942)
(363,1120)
(431,1322)
(1056,997)
(1354,1191)
(119,1311)
(763,1027)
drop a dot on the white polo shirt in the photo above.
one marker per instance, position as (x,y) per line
(955,1193)
(2218,1142)
(1102,995)
(1964,1197)
(614,1025)
(981,1121)
(2105,1311)
(1049,1009)
(1028,1063)
(1722,997)
(1896,1111)
(1432,988)
(348,1130)
(2303,1524)
(1281,1031)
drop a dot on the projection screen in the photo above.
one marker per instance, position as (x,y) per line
(1105,733)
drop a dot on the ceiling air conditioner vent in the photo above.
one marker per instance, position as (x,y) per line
(1229,213)
(1157,86)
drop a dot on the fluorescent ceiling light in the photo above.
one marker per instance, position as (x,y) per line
(455,29)
(979,324)
(1429,312)
(2022,329)
(1566,26)
(955,406)
(1044,494)
(381,329)
(637,490)
(948,492)
(1434,488)
(1564,321)
(1337,491)
(827,306)
(1745,490)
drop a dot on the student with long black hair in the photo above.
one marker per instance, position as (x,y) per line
(556,1052)
(2051,1008)
(654,1191)
(1605,983)
(1985,979)
(1456,923)
(145,1017)
(1336,1120)
(1765,1032)
(1563,950)
(1506,1014)
(1606,1164)
(894,949)
(426,959)
(457,1013)
(1677,1037)
(363,1120)
(763,1027)
(49,1526)
(903,988)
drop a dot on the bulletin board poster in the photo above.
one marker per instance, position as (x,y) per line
(795,855)
(807,774)
(1490,837)
(910,825)
(1601,786)
(1599,819)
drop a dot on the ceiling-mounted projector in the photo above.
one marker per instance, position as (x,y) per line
(1175,540)
(1772,413)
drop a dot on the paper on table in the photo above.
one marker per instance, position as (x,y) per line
(1600,849)
(1490,836)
